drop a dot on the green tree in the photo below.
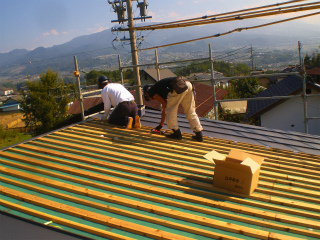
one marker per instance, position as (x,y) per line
(243,88)
(45,105)
(312,61)
(92,76)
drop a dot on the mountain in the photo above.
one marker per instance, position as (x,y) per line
(96,49)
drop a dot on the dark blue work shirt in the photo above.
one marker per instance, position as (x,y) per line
(162,88)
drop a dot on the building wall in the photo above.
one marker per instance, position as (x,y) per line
(6,92)
(289,115)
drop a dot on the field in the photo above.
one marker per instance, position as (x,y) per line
(12,129)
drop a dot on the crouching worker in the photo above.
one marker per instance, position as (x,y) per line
(163,91)
(125,112)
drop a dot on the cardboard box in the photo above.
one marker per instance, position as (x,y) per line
(238,171)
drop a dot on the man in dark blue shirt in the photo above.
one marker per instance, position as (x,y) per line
(163,92)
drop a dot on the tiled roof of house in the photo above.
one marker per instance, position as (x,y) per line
(288,86)
(203,99)
(88,103)
(314,71)
(104,182)
(164,73)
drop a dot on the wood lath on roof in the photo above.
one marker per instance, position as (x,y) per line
(102,181)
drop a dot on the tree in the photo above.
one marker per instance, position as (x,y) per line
(243,88)
(313,61)
(45,105)
(114,76)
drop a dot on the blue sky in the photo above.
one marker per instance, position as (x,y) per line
(27,24)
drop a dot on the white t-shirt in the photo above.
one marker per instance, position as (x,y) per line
(113,94)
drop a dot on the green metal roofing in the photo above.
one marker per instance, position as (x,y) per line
(106,182)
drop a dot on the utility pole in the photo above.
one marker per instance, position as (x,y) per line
(134,54)
(299,48)
(119,8)
(251,58)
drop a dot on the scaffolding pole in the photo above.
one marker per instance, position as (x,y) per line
(76,73)
(215,104)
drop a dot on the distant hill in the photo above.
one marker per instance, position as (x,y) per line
(90,49)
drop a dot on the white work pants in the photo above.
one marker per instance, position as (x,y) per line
(187,101)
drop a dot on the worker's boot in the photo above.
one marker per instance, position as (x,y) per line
(129,124)
(136,122)
(198,137)
(175,135)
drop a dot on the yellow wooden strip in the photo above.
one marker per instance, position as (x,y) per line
(90,216)
(300,183)
(178,165)
(127,140)
(298,170)
(220,143)
(62,221)
(143,173)
(139,205)
(222,205)
(164,177)
(277,166)
(293,210)
(109,165)
(215,224)
(123,149)
(308,183)
(253,196)
(268,162)
(127,145)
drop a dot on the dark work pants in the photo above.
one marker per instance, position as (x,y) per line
(120,114)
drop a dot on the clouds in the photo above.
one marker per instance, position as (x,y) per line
(52,32)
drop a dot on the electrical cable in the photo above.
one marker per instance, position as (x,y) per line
(232,31)
(291,9)
(222,14)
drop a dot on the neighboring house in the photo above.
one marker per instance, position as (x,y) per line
(150,75)
(203,99)
(89,104)
(11,104)
(235,107)
(204,77)
(286,114)
(5,91)
(314,73)
(267,81)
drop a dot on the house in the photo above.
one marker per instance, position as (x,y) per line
(5,91)
(287,114)
(205,77)
(314,73)
(150,75)
(11,104)
(267,81)
(93,180)
(203,99)
(234,107)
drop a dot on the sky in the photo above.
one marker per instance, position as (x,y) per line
(28,24)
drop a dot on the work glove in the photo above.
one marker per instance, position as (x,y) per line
(156,129)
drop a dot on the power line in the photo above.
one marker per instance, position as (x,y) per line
(222,14)
(232,31)
(215,19)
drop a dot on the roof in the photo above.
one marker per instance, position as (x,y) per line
(88,103)
(288,86)
(105,182)
(234,107)
(164,73)
(314,71)
(203,99)
(207,76)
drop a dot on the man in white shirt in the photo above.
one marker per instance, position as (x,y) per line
(125,112)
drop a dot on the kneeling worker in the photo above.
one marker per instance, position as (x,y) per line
(125,112)
(163,92)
